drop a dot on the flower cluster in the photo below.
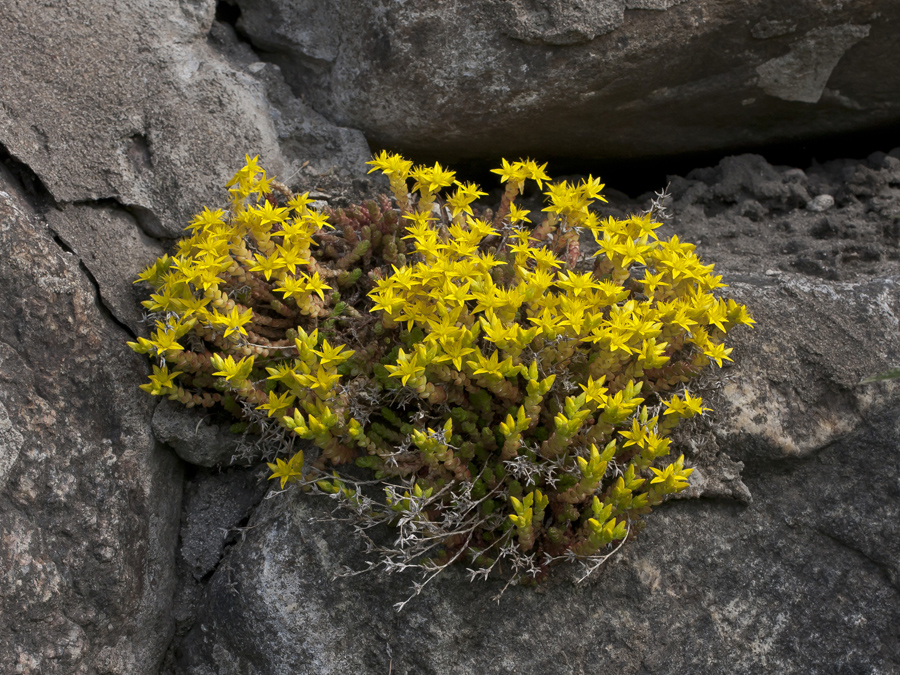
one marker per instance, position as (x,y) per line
(515,397)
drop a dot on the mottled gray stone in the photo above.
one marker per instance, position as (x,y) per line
(215,504)
(765,28)
(109,242)
(820,203)
(799,581)
(120,120)
(802,73)
(133,103)
(194,435)
(10,444)
(129,117)
(89,501)
(599,79)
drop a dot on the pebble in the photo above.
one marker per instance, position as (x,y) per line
(820,203)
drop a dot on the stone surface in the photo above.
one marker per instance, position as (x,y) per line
(832,278)
(109,242)
(803,73)
(600,79)
(89,501)
(215,504)
(215,510)
(799,581)
(820,203)
(792,396)
(142,103)
(195,436)
(761,222)
(118,122)
(781,557)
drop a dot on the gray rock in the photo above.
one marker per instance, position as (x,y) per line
(109,242)
(747,181)
(195,436)
(120,121)
(797,395)
(802,73)
(214,505)
(781,557)
(752,216)
(214,514)
(820,203)
(89,502)
(128,118)
(11,442)
(600,79)
(160,132)
(766,28)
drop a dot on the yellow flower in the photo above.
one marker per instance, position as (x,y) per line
(287,471)
(432,179)
(461,201)
(544,258)
(636,434)
(317,219)
(160,381)
(231,371)
(290,258)
(390,165)
(516,173)
(494,329)
(652,281)
(206,219)
(486,366)
(234,321)
(717,352)
(316,285)
(591,187)
(323,381)
(535,172)
(673,478)
(738,314)
(480,228)
(576,283)
(267,265)
(686,408)
(454,351)
(277,403)
(299,202)
(165,342)
(420,226)
(456,294)
(594,390)
(547,322)
(270,214)
(333,355)
(386,302)
(517,215)
(406,367)
(291,287)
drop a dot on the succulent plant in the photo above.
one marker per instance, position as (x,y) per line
(512,400)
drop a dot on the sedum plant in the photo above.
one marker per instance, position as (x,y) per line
(512,397)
